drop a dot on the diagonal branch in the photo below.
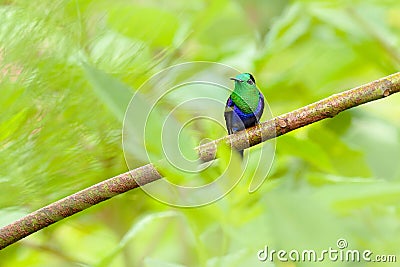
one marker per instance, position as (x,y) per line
(325,108)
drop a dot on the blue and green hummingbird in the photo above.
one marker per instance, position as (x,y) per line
(244,106)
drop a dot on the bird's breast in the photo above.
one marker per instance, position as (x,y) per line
(257,112)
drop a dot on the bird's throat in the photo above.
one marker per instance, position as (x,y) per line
(246,101)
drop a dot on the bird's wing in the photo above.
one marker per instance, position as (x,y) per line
(228,114)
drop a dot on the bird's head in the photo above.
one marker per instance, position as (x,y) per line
(244,79)
(244,82)
(245,94)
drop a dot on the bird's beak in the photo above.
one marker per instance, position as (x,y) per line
(236,79)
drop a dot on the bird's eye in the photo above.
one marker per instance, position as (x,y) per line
(250,81)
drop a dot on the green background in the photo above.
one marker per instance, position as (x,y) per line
(60,128)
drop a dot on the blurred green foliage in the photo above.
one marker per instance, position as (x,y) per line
(58,134)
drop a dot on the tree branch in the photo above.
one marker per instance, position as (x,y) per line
(325,108)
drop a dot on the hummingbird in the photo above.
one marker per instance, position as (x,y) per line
(244,106)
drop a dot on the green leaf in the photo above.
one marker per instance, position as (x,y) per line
(380,141)
(135,229)
(290,27)
(349,197)
(308,150)
(153,25)
(347,161)
(113,93)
